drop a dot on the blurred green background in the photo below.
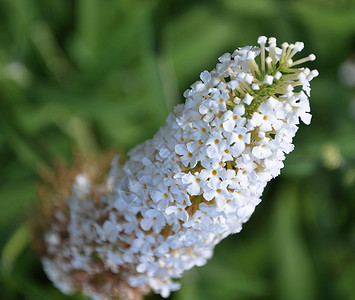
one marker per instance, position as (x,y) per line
(100,75)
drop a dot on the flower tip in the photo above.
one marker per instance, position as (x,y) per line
(272,40)
(299,46)
(315,73)
(268,79)
(268,60)
(312,57)
(262,40)
(255,87)
(306,71)
(205,76)
(278,75)
(247,99)
(289,62)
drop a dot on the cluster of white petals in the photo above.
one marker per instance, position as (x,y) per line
(196,182)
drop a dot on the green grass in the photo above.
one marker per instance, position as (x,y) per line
(103,75)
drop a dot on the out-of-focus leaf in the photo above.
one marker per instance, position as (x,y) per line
(16,198)
(49,49)
(14,246)
(192,47)
(299,166)
(124,120)
(154,82)
(255,8)
(293,266)
(107,36)
(326,19)
(20,14)
(189,290)
(231,276)
(21,145)
(37,120)
(326,24)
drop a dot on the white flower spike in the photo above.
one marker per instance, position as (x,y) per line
(197,181)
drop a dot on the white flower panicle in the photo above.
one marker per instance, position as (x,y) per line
(196,182)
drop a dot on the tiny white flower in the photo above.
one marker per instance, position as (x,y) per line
(153,218)
(194,182)
(216,190)
(178,211)
(262,151)
(186,157)
(143,242)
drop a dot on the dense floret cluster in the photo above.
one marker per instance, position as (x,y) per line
(197,181)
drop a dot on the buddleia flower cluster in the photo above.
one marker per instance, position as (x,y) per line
(193,184)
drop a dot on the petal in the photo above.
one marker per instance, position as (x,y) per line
(146,224)
(306,118)
(229,125)
(205,76)
(213,151)
(193,189)
(170,210)
(180,149)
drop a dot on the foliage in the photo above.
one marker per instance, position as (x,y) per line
(102,75)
